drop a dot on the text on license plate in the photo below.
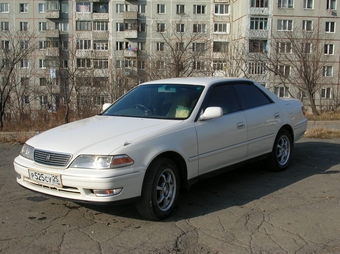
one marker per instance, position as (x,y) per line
(50,179)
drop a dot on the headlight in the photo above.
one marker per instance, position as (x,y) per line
(27,152)
(101,162)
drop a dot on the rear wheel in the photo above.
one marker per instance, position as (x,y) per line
(282,151)
(160,190)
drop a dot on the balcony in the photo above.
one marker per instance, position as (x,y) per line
(100,35)
(131,34)
(262,34)
(130,53)
(100,16)
(52,14)
(259,11)
(83,16)
(52,33)
(130,15)
(52,52)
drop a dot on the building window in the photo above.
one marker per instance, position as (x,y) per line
(198,65)
(329,49)
(259,3)
(281,91)
(142,27)
(326,93)
(161,8)
(23,8)
(83,63)
(180,28)
(219,65)
(220,46)
(284,47)
(180,9)
(65,64)
(64,45)
(179,46)
(121,45)
(23,26)
(307,25)
(198,47)
(120,27)
(199,28)
(257,46)
(42,8)
(83,7)
(61,26)
(306,48)
(42,44)
(26,99)
(160,65)
(52,5)
(4,8)
(160,46)
(161,27)
(23,44)
(141,8)
(284,25)
(199,9)
(331,5)
(284,70)
(330,27)
(42,64)
(285,3)
(222,28)
(83,44)
(100,45)
(42,26)
(64,8)
(327,71)
(120,8)
(100,26)
(24,63)
(43,99)
(256,68)
(83,25)
(4,45)
(141,65)
(141,45)
(42,81)
(308,4)
(257,23)
(4,26)
(100,63)
(221,9)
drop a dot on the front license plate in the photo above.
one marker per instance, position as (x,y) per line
(49,179)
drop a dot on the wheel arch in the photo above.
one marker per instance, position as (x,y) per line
(289,129)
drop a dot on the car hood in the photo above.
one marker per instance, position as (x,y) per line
(98,134)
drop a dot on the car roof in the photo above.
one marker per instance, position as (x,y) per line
(204,81)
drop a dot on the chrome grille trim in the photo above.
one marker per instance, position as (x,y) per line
(51,158)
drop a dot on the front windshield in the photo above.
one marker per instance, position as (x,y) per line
(171,101)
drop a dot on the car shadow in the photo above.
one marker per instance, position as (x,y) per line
(246,184)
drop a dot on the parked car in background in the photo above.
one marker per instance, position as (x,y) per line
(160,137)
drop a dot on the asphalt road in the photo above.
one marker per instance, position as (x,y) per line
(249,210)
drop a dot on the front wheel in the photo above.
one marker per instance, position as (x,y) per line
(160,190)
(282,151)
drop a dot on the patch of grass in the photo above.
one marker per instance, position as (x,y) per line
(326,116)
(322,133)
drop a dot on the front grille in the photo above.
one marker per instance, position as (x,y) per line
(51,158)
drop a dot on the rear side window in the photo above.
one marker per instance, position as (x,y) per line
(250,96)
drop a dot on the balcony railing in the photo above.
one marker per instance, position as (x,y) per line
(259,11)
(130,15)
(263,34)
(52,51)
(52,14)
(52,33)
(131,34)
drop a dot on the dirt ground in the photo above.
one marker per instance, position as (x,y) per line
(249,210)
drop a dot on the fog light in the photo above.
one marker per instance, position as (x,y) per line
(107,193)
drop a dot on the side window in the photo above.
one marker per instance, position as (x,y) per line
(250,96)
(223,96)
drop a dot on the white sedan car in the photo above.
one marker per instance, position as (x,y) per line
(160,137)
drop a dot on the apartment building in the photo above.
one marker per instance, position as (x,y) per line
(92,51)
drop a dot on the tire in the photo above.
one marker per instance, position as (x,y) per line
(160,190)
(281,152)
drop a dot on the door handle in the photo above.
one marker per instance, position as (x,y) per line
(277,115)
(240,125)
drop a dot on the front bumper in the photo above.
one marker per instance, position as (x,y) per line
(82,187)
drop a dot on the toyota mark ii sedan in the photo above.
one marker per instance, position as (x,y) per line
(160,137)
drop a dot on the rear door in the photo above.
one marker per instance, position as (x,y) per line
(222,141)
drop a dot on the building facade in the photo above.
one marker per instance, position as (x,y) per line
(91,51)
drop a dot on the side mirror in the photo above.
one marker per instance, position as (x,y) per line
(106,105)
(211,113)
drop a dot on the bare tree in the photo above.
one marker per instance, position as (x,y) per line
(297,59)
(16,48)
